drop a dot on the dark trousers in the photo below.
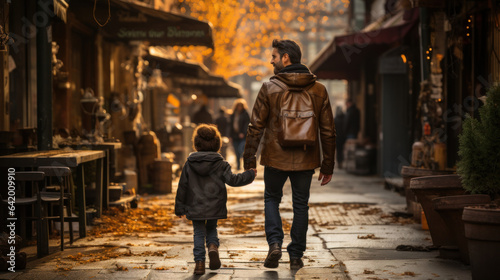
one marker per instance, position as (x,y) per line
(239,147)
(204,230)
(274,180)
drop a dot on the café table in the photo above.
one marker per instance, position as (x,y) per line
(69,158)
(109,162)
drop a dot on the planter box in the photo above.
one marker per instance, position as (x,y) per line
(428,188)
(410,172)
(482,230)
(451,209)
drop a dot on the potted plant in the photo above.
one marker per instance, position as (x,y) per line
(479,169)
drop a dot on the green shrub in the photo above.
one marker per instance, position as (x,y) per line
(479,148)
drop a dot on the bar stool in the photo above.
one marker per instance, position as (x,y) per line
(28,193)
(58,191)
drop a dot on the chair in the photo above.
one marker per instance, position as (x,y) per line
(58,191)
(28,193)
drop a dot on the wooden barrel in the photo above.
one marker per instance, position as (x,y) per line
(162,176)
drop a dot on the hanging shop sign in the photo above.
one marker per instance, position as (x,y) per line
(134,22)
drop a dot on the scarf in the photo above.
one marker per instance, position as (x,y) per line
(296,68)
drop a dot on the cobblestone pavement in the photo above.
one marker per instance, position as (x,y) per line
(352,235)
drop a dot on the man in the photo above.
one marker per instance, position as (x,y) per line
(352,118)
(280,163)
(222,122)
(202,116)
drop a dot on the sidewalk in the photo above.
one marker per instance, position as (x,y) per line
(352,235)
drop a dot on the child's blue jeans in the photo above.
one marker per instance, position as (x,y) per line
(204,230)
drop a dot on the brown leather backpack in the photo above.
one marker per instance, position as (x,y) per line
(297,119)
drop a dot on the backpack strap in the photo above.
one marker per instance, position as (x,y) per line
(285,87)
(280,84)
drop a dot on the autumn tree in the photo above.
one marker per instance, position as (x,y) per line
(243,30)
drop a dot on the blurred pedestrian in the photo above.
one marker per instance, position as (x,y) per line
(202,196)
(340,139)
(352,119)
(222,122)
(202,116)
(238,126)
(295,163)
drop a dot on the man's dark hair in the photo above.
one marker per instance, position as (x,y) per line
(206,138)
(289,47)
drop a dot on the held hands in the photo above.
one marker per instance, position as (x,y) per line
(254,171)
(326,178)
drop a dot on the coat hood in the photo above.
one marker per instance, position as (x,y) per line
(204,163)
(296,76)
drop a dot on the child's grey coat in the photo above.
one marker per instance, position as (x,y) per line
(202,194)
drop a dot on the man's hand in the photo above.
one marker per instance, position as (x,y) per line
(326,178)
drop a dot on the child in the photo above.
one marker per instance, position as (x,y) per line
(201,194)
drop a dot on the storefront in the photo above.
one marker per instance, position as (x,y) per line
(378,63)
(415,80)
(77,70)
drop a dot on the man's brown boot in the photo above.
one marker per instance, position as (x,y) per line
(213,254)
(296,264)
(199,268)
(273,256)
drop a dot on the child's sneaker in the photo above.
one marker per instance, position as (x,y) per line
(213,254)
(199,269)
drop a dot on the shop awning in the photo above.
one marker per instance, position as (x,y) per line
(341,58)
(212,86)
(193,75)
(136,22)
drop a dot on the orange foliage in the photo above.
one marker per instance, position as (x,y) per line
(244,29)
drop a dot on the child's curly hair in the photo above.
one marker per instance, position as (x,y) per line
(206,138)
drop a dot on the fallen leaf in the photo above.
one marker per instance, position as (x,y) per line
(369,236)
(141,267)
(121,268)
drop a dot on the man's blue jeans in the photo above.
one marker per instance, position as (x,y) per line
(204,230)
(274,180)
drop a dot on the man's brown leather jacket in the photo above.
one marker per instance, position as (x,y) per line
(264,122)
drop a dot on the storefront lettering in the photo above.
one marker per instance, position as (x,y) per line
(156,33)
(130,33)
(174,32)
